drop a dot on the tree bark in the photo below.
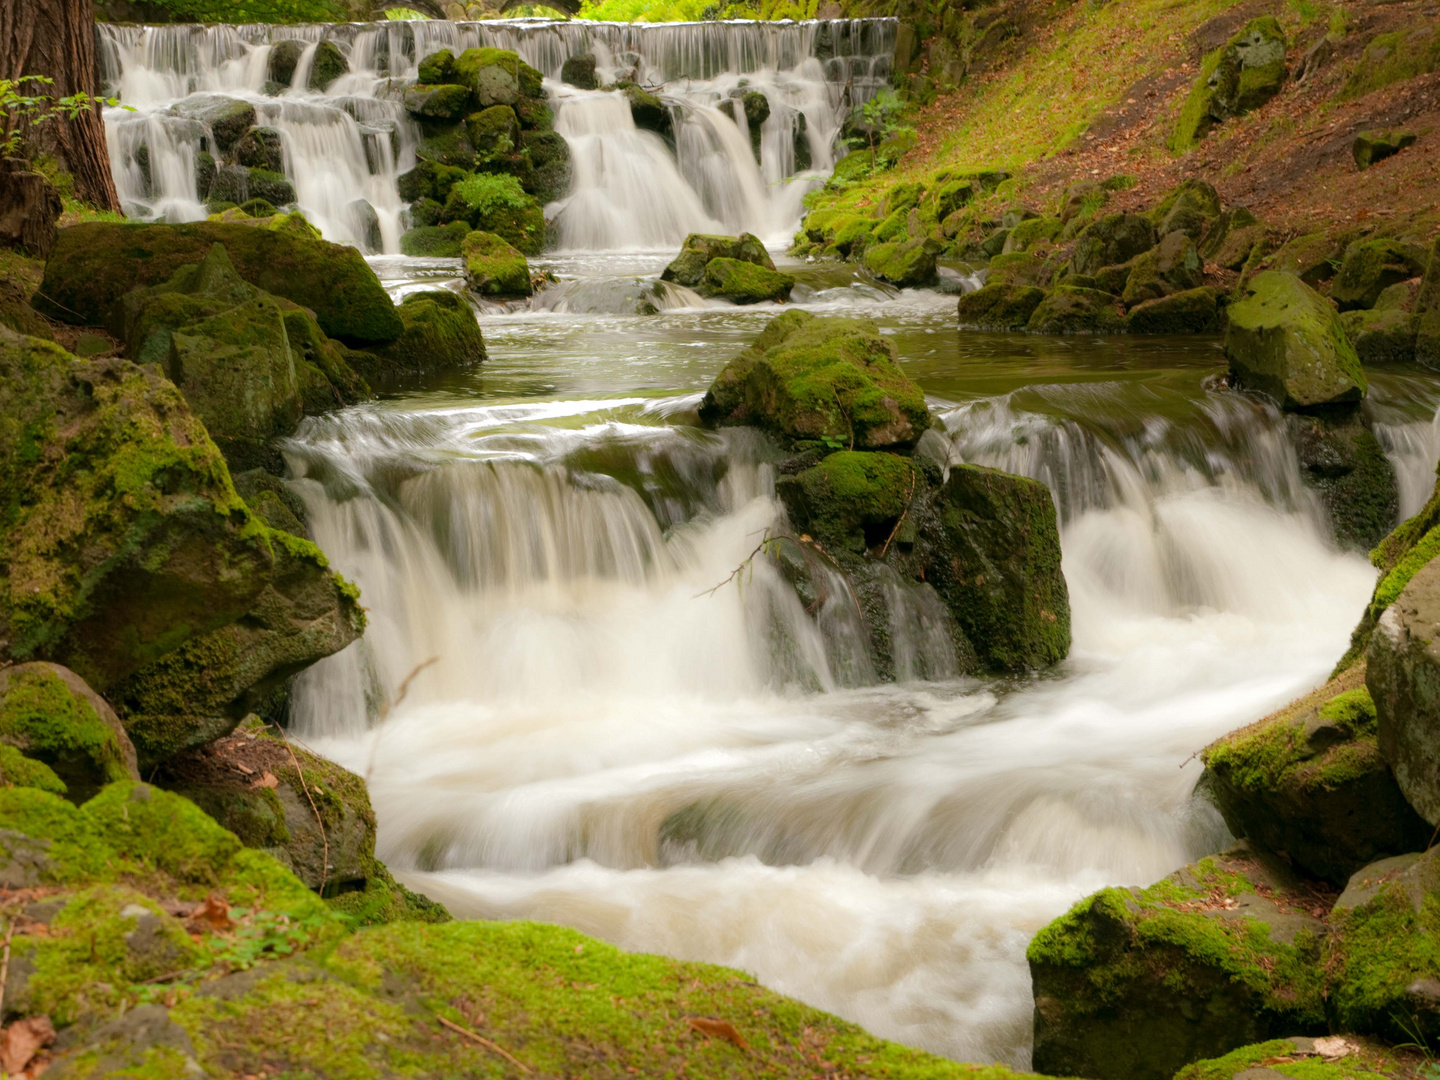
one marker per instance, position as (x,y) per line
(29,207)
(56,38)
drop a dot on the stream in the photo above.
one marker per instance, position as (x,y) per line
(568,705)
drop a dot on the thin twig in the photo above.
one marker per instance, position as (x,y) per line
(166,977)
(405,686)
(743,564)
(324,839)
(5,966)
(909,499)
(495,1047)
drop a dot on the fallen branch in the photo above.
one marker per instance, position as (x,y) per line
(5,965)
(909,500)
(491,1046)
(324,838)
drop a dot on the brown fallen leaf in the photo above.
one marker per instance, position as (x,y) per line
(1334,1047)
(22,1040)
(213,913)
(267,780)
(718,1029)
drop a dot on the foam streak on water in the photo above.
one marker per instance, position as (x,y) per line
(604,742)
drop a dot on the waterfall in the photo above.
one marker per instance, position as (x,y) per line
(344,147)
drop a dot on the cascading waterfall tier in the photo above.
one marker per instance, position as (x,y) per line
(345,146)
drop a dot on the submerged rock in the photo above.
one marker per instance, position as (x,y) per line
(999,306)
(743,282)
(227,118)
(1403,674)
(1070,309)
(94,264)
(1286,342)
(493,267)
(1343,462)
(828,379)
(1309,780)
(52,717)
(1134,984)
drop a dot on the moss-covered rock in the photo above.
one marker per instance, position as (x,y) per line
(1111,240)
(1372,146)
(93,265)
(1309,780)
(1070,309)
(1403,659)
(1242,75)
(493,267)
(908,263)
(1193,311)
(1136,984)
(999,306)
(1172,266)
(53,718)
(237,184)
(443,102)
(550,160)
(284,55)
(1313,258)
(441,333)
(1385,954)
(328,65)
(648,111)
(260,148)
(17,770)
(1341,460)
(1028,233)
(496,76)
(1370,267)
(1394,55)
(828,379)
(1382,336)
(228,118)
(520,224)
(852,499)
(1283,340)
(429,180)
(1231,237)
(435,241)
(1033,268)
(688,268)
(579,71)
(743,282)
(1298,1058)
(436,67)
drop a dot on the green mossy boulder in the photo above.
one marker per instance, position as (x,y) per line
(437,67)
(429,180)
(441,334)
(52,717)
(1194,311)
(1372,146)
(1313,258)
(1073,310)
(448,145)
(260,148)
(1285,341)
(1022,268)
(1111,240)
(443,102)
(1242,75)
(1342,461)
(1231,237)
(1395,55)
(1372,266)
(907,264)
(496,76)
(224,345)
(1382,336)
(494,132)
(284,56)
(1309,780)
(493,267)
(688,268)
(1171,266)
(1190,208)
(549,154)
(852,499)
(1027,234)
(999,306)
(579,71)
(1298,1058)
(93,265)
(830,379)
(1402,664)
(309,814)
(237,184)
(228,118)
(17,770)
(328,65)
(744,283)
(1135,984)
(648,111)
(523,227)
(1384,956)
(435,241)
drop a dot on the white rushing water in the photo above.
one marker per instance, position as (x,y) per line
(602,741)
(345,147)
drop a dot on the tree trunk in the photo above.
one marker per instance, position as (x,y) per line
(29,207)
(56,38)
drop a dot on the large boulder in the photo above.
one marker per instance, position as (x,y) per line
(94,264)
(1384,961)
(52,717)
(1111,240)
(125,541)
(284,56)
(579,71)
(227,118)
(1312,257)
(1242,75)
(1071,309)
(743,282)
(1309,780)
(1134,984)
(444,102)
(1342,461)
(1372,266)
(688,268)
(1403,675)
(1372,146)
(1172,266)
(1190,208)
(906,263)
(238,184)
(1285,341)
(496,77)
(830,380)
(999,306)
(441,333)
(493,267)
(224,345)
(328,64)
(549,154)
(435,241)
(1194,311)
(260,148)
(1385,336)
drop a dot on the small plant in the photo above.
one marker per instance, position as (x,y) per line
(25,112)
(1307,10)
(485,193)
(880,117)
